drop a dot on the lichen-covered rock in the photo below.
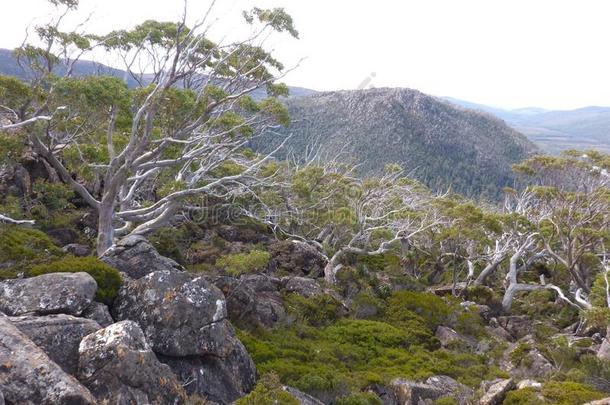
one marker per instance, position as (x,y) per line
(452,388)
(253,300)
(53,293)
(305,287)
(58,335)
(303,398)
(495,391)
(179,314)
(518,326)
(448,337)
(29,377)
(99,313)
(119,367)
(220,379)
(136,257)
(77,249)
(412,393)
(296,258)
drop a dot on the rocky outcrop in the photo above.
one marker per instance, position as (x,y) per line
(99,313)
(303,398)
(29,377)
(409,392)
(136,257)
(220,379)
(305,287)
(119,367)
(253,300)
(58,335)
(55,293)
(184,319)
(518,326)
(452,388)
(495,391)
(296,258)
(449,337)
(77,250)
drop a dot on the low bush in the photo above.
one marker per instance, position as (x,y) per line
(21,247)
(268,391)
(242,263)
(108,278)
(319,310)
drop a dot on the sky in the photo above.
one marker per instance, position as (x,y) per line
(505,53)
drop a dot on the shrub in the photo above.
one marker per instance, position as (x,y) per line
(21,245)
(268,391)
(54,196)
(318,310)
(360,398)
(569,393)
(525,396)
(108,278)
(429,307)
(241,263)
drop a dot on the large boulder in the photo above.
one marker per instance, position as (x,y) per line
(495,391)
(219,379)
(136,257)
(184,318)
(119,367)
(452,388)
(305,287)
(409,392)
(99,313)
(58,335)
(303,398)
(29,377)
(253,300)
(54,293)
(518,326)
(296,258)
(180,315)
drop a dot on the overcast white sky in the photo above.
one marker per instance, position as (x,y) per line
(508,53)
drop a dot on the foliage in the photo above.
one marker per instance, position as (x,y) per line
(108,278)
(268,391)
(319,310)
(242,263)
(360,398)
(21,246)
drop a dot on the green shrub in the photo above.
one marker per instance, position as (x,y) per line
(20,245)
(54,196)
(525,396)
(429,307)
(360,398)
(318,310)
(569,393)
(268,391)
(242,263)
(108,278)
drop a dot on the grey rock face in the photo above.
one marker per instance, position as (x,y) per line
(303,398)
(220,379)
(297,258)
(412,393)
(99,313)
(58,335)
(495,391)
(119,367)
(136,257)
(180,315)
(253,300)
(55,293)
(303,286)
(29,377)
(77,250)
(452,388)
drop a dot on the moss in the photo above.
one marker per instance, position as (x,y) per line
(21,246)
(360,398)
(268,391)
(446,401)
(108,278)
(318,310)
(242,263)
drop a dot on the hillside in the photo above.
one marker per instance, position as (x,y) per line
(442,145)
(554,131)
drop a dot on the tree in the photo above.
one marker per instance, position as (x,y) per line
(137,156)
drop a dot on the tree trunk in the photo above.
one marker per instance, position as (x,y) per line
(330,270)
(105,227)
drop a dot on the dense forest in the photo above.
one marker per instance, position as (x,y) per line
(178,265)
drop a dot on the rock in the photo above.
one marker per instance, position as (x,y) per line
(296,258)
(495,391)
(305,287)
(29,377)
(518,326)
(385,393)
(411,393)
(220,379)
(180,315)
(528,364)
(450,387)
(233,233)
(253,300)
(63,236)
(604,401)
(58,335)
(603,353)
(99,313)
(54,293)
(77,250)
(117,365)
(448,337)
(529,384)
(136,257)
(304,399)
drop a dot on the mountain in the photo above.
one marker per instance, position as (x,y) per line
(441,144)
(554,131)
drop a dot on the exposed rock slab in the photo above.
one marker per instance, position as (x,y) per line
(29,377)
(296,258)
(495,391)
(99,313)
(412,393)
(54,293)
(303,398)
(136,257)
(119,367)
(58,335)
